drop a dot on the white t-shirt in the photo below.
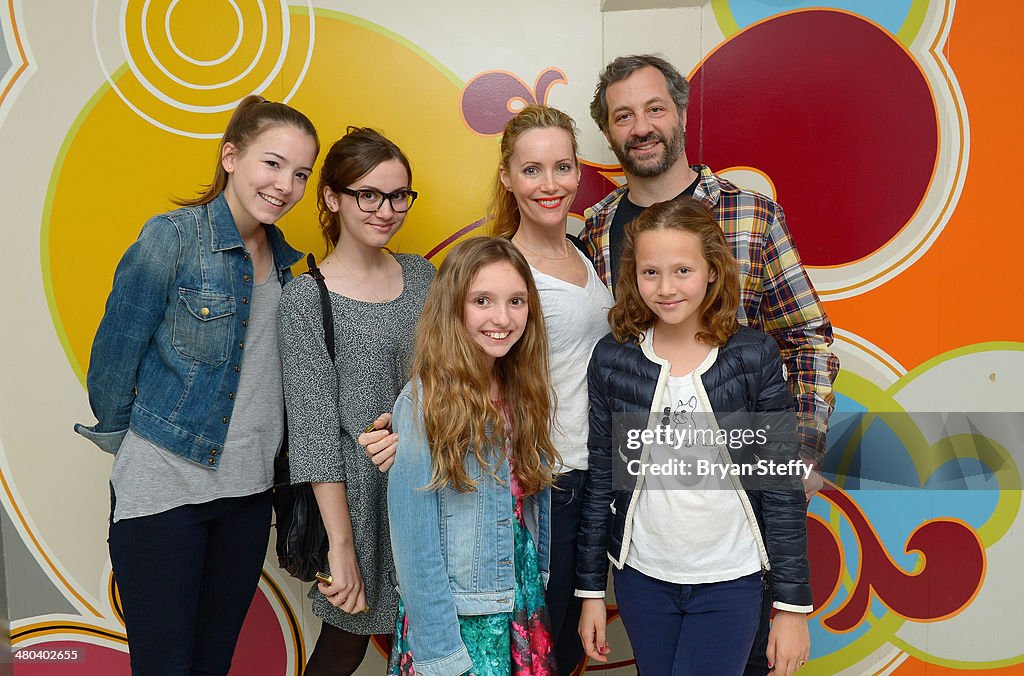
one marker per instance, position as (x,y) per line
(576,318)
(690,529)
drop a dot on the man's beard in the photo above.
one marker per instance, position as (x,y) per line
(672,149)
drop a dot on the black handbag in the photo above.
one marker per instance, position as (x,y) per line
(301,537)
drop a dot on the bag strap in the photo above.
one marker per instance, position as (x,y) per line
(281,475)
(325,303)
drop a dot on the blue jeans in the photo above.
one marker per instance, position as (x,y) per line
(684,629)
(186,578)
(563,606)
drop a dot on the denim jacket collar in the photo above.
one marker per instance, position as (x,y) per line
(223,231)
(224,234)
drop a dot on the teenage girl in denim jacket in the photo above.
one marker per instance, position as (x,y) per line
(185,383)
(469,492)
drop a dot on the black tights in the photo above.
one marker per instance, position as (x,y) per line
(337,652)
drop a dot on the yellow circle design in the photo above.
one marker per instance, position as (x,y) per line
(116,168)
(185,64)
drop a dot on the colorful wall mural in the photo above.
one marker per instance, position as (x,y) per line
(877,124)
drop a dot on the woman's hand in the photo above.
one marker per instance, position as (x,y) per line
(593,620)
(381,443)
(346,589)
(789,642)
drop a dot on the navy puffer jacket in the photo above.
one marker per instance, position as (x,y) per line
(746,376)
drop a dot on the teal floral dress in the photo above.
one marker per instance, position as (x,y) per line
(504,644)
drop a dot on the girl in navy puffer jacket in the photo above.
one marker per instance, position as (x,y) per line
(704,499)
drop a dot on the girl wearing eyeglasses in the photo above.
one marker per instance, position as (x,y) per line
(376,296)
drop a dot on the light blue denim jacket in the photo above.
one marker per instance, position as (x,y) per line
(453,551)
(167,354)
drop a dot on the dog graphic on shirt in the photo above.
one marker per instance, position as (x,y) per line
(682,418)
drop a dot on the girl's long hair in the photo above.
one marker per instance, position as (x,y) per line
(253,115)
(458,414)
(630,317)
(504,210)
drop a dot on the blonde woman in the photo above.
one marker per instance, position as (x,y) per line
(534,188)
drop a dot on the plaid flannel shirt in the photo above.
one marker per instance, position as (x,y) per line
(776,295)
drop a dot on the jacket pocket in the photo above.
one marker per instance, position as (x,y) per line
(202,325)
(463,537)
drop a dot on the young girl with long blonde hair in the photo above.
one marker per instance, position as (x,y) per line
(468,496)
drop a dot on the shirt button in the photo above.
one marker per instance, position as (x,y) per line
(246,278)
(245,322)
(205,311)
(237,368)
(241,346)
(245,300)
(245,257)
(231,395)
(214,451)
(224,420)
(213,461)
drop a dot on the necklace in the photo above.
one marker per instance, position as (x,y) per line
(333,258)
(565,250)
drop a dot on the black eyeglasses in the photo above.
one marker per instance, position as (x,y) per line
(371,200)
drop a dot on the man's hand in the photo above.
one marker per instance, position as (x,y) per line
(813,483)
(381,443)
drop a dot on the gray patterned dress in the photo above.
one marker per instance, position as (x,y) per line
(329,405)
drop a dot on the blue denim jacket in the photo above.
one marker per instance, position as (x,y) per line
(167,354)
(453,551)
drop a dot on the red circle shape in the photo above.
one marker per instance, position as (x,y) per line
(836,112)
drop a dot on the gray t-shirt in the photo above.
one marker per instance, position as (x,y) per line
(148,480)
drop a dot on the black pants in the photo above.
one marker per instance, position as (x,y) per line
(757,663)
(563,606)
(186,578)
